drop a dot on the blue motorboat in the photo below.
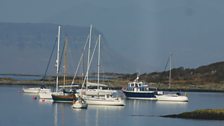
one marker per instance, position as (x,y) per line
(140,90)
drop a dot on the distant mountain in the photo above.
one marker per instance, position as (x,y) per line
(40,34)
(26,47)
(212,73)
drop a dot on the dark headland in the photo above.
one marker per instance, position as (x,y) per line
(203,114)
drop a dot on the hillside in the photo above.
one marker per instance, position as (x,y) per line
(212,73)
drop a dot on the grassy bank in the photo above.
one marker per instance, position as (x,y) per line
(121,83)
(207,114)
(206,87)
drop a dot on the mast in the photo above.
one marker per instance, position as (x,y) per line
(88,62)
(65,59)
(170,71)
(57,60)
(98,65)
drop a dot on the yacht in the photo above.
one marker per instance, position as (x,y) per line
(174,97)
(32,90)
(107,100)
(140,90)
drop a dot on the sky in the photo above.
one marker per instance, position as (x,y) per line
(143,33)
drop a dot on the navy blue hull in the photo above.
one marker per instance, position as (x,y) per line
(140,95)
(63,98)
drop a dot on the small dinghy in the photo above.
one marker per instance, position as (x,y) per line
(79,103)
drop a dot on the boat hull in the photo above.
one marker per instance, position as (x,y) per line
(145,95)
(95,92)
(63,97)
(31,90)
(45,94)
(79,106)
(172,97)
(105,102)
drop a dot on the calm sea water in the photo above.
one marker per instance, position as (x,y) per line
(19,109)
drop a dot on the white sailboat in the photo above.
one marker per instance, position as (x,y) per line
(79,103)
(107,98)
(47,93)
(99,90)
(174,97)
(63,95)
(32,90)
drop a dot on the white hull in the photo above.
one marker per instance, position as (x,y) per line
(45,94)
(78,105)
(95,92)
(138,98)
(31,90)
(172,97)
(105,101)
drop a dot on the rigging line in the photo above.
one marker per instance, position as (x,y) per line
(90,64)
(167,64)
(45,73)
(81,58)
(164,70)
(61,56)
(168,60)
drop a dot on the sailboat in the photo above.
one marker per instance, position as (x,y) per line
(33,90)
(106,99)
(47,93)
(174,97)
(43,92)
(79,103)
(99,91)
(62,95)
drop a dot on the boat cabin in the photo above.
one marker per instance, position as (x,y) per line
(137,86)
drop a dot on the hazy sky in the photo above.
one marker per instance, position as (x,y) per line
(144,32)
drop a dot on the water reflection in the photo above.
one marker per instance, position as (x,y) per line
(45,101)
(55,114)
(80,116)
(29,94)
(168,107)
(59,113)
(140,106)
(107,113)
(136,112)
(165,103)
(106,108)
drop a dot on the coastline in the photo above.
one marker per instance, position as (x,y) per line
(115,84)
